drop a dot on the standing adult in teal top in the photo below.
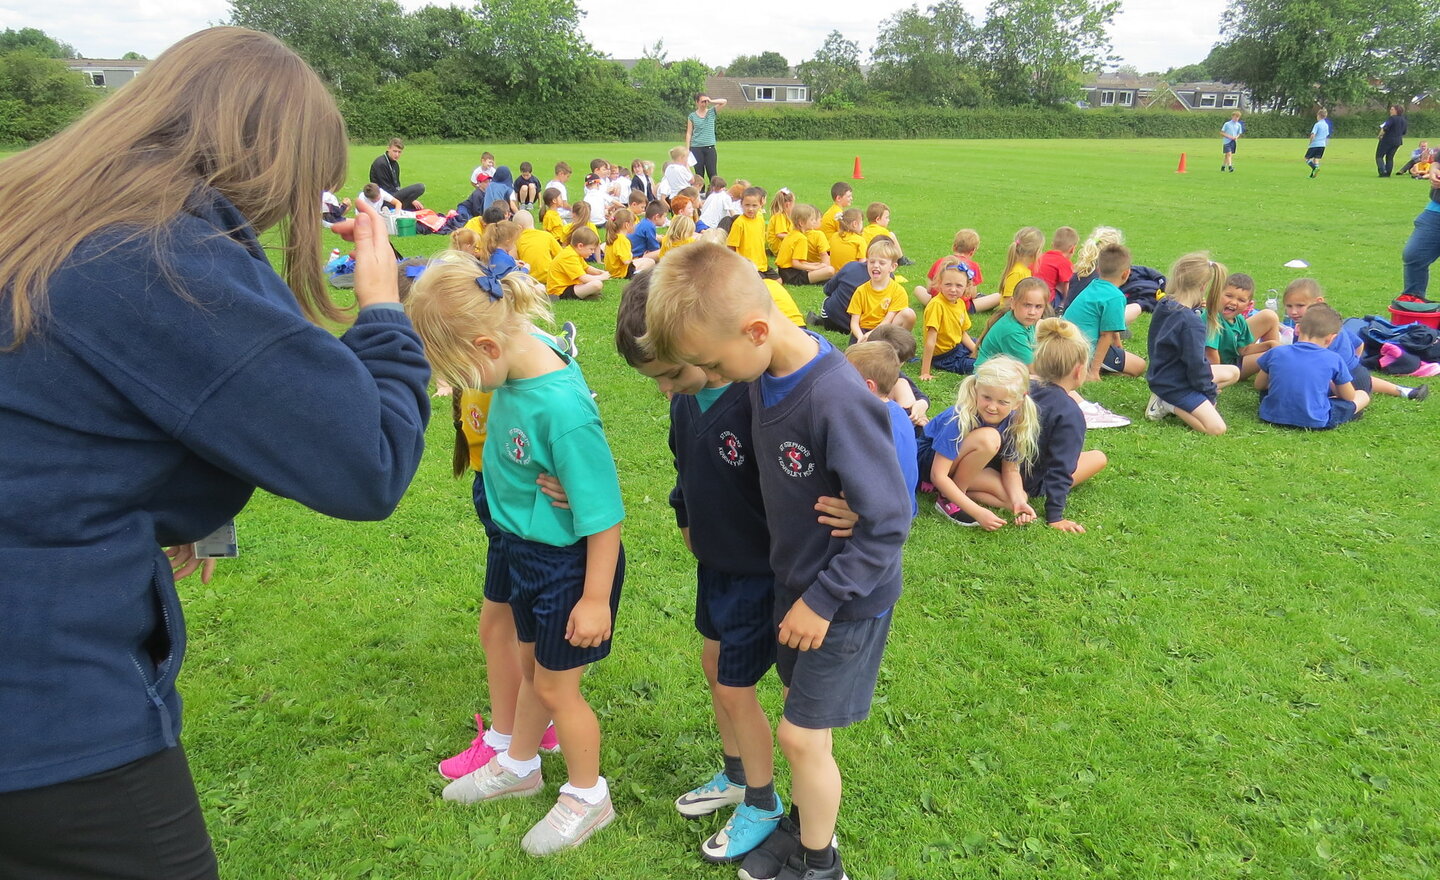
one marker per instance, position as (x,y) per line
(700,134)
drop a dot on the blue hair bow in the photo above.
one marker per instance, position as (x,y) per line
(501,264)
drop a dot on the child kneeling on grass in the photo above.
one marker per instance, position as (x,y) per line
(1307,385)
(721,517)
(566,566)
(1061,354)
(973,452)
(1182,380)
(816,430)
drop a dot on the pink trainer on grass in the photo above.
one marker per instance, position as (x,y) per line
(480,752)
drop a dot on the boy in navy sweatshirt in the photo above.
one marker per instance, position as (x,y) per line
(816,430)
(722,518)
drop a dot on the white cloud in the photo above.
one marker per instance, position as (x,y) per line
(1151,34)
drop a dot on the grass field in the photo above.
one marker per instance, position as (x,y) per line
(1233,673)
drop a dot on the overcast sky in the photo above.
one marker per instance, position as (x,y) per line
(1150,34)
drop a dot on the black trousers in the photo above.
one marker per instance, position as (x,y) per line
(141,821)
(705,158)
(408,194)
(1385,158)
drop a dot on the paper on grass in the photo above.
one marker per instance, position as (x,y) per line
(1297,264)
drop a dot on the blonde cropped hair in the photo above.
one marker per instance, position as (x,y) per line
(803,215)
(1060,347)
(883,247)
(228,109)
(703,287)
(450,310)
(876,362)
(1012,377)
(681,228)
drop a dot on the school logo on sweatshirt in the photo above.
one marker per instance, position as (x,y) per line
(476,417)
(795,460)
(518,447)
(731,450)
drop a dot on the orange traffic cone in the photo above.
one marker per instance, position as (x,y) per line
(857,175)
(1181,169)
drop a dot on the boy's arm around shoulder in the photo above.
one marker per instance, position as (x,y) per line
(860,449)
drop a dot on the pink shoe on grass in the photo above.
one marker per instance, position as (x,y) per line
(480,753)
(550,743)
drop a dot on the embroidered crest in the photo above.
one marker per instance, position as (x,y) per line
(731,450)
(795,460)
(519,447)
(476,417)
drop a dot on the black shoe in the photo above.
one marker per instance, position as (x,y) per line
(796,869)
(905,261)
(813,320)
(765,861)
(1419,393)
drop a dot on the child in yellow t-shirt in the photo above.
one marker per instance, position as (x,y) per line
(620,259)
(747,233)
(552,212)
(781,224)
(948,344)
(841,195)
(882,299)
(1020,259)
(798,261)
(536,247)
(682,232)
(784,302)
(579,217)
(877,218)
(848,245)
(570,277)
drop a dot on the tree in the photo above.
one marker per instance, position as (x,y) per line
(133,56)
(352,44)
(834,75)
(674,83)
(1038,50)
(929,57)
(1297,54)
(37,41)
(765,64)
(532,48)
(39,96)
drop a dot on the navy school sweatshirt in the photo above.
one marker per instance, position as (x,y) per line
(1176,349)
(1062,439)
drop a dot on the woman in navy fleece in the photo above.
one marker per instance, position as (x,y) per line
(154,370)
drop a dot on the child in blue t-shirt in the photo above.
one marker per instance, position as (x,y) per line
(645,239)
(880,368)
(1307,385)
(1299,296)
(565,565)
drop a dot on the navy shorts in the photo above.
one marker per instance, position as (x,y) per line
(1362,380)
(956,360)
(1188,400)
(1114,360)
(545,584)
(1341,411)
(1228,147)
(791,275)
(833,685)
(735,610)
(1314,152)
(497,570)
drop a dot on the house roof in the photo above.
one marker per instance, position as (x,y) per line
(108,63)
(728,87)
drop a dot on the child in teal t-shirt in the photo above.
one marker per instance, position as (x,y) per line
(1012,331)
(565,565)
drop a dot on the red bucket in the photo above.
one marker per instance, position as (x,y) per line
(1429,319)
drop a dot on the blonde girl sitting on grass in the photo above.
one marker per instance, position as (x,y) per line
(973,452)
(681,233)
(1020,259)
(780,223)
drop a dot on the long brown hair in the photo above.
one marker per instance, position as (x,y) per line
(225,108)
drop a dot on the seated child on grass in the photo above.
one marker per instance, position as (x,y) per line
(640,179)
(833,599)
(553,211)
(877,223)
(717,205)
(780,223)
(1086,256)
(620,261)
(645,240)
(1061,356)
(1239,340)
(677,174)
(1299,296)
(905,392)
(1020,259)
(580,214)
(681,233)
(882,299)
(1306,384)
(560,182)
(527,186)
(747,233)
(880,368)
(1011,330)
(973,452)
(535,248)
(797,260)
(571,277)
(962,250)
(1101,314)
(1182,380)
(847,245)
(841,195)
(1054,267)
(948,345)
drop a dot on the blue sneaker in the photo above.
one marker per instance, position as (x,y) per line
(567,336)
(715,795)
(748,827)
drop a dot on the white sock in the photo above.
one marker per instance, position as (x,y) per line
(592,795)
(496,740)
(519,768)
(1405,391)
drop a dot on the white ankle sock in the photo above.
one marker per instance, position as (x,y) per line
(519,768)
(592,795)
(497,741)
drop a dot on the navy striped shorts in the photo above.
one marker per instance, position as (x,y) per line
(545,584)
(735,610)
(497,571)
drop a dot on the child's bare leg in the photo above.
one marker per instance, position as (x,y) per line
(824,273)
(642,263)
(1092,462)
(987,302)
(1225,375)
(906,318)
(591,286)
(922,295)
(502,663)
(1383,386)
(750,737)
(1362,400)
(710,662)
(814,781)
(531,716)
(1134,365)
(1264,326)
(1249,365)
(1205,419)
(976,450)
(575,722)
(987,489)
(1132,311)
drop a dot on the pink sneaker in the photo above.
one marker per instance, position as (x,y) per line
(550,743)
(473,758)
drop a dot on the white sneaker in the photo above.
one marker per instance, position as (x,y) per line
(1097,416)
(1157,409)
(492,783)
(568,824)
(717,794)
